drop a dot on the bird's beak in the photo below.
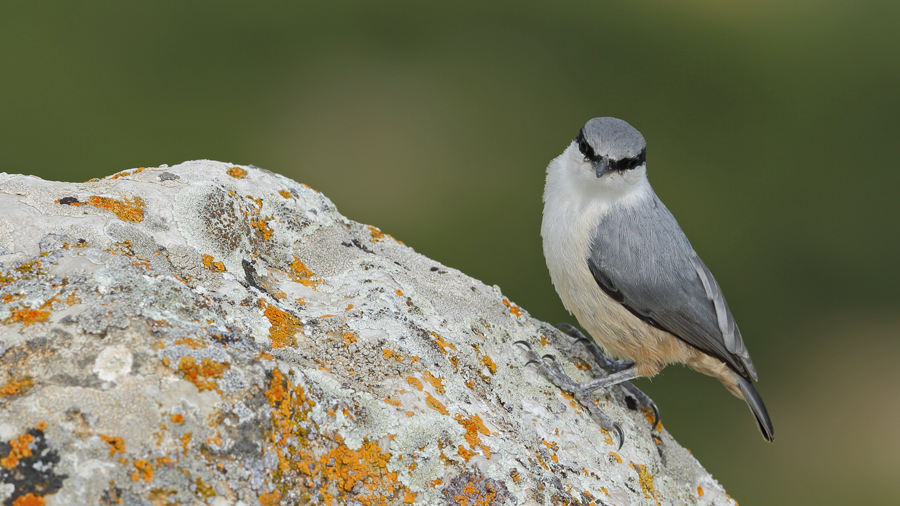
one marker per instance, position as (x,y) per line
(601,166)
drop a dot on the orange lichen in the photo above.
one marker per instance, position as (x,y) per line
(377,235)
(262,226)
(339,472)
(465,454)
(284,193)
(443,344)
(202,375)
(301,274)
(236,172)
(210,263)
(15,387)
(270,499)
(616,456)
(124,209)
(177,418)
(581,364)
(392,402)
(29,499)
(486,360)
(435,382)
(608,440)
(185,440)
(144,470)
(28,316)
(700,491)
(116,444)
(192,343)
(349,337)
(516,310)
(387,353)
(412,380)
(646,481)
(284,326)
(288,404)
(474,426)
(435,404)
(544,341)
(203,489)
(400,293)
(541,461)
(648,414)
(479,491)
(18,450)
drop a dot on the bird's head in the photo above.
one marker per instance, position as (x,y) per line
(611,146)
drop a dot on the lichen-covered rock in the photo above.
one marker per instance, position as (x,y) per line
(212,334)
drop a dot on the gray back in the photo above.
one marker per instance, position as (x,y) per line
(640,257)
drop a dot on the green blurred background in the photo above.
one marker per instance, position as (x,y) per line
(773,130)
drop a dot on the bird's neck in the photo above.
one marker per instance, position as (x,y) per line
(572,187)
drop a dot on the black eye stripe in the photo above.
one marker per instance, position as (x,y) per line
(614,165)
(586,148)
(628,163)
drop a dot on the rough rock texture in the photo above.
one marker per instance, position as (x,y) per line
(212,334)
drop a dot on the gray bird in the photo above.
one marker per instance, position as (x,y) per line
(624,268)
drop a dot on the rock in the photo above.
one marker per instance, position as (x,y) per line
(213,334)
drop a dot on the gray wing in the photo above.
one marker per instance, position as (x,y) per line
(641,258)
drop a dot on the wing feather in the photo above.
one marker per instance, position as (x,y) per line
(641,258)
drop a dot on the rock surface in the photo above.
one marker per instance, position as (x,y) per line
(213,334)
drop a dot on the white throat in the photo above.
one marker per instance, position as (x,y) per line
(572,185)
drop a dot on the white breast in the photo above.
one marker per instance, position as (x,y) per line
(574,201)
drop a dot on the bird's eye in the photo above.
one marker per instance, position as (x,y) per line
(586,150)
(628,163)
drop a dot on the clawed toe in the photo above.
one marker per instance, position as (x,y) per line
(553,371)
(644,401)
(621,434)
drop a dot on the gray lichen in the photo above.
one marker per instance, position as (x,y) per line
(212,334)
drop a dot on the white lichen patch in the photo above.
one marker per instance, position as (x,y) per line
(218,334)
(113,363)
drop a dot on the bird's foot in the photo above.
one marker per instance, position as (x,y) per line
(581,391)
(604,361)
(643,400)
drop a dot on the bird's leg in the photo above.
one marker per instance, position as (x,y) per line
(613,366)
(604,361)
(581,391)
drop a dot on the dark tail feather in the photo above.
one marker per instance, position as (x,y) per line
(755,402)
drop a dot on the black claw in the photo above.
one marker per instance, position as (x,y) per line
(532,361)
(655,415)
(621,434)
(525,343)
(551,357)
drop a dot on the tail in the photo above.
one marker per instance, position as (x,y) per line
(755,403)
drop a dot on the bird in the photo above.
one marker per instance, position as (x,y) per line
(624,268)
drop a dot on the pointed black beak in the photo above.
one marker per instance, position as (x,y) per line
(602,166)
